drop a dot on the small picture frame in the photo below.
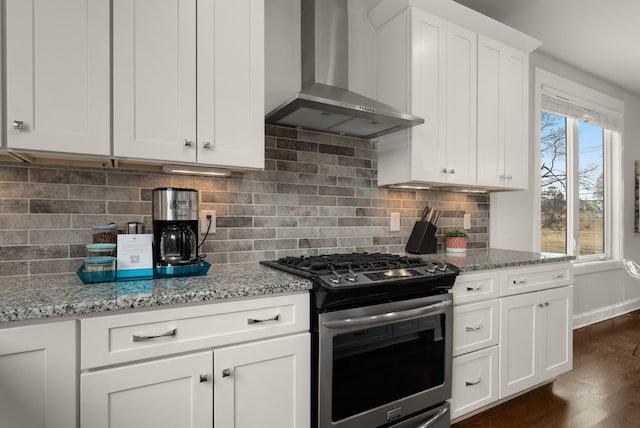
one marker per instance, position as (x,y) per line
(637,196)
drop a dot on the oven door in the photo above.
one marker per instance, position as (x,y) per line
(384,362)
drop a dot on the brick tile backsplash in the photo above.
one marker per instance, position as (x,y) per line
(317,195)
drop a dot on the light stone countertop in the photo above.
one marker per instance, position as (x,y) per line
(491,258)
(50,296)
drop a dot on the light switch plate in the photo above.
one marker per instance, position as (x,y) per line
(394,222)
(467,221)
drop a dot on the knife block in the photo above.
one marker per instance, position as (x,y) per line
(422,239)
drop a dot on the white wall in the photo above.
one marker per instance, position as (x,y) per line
(598,295)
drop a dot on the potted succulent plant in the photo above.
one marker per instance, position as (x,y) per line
(456,240)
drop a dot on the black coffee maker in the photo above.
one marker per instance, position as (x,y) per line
(175,226)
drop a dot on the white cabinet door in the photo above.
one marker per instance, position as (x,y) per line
(461,105)
(58,79)
(168,393)
(503,79)
(515,71)
(189,87)
(263,384)
(536,338)
(154,79)
(557,351)
(518,342)
(231,83)
(428,66)
(38,376)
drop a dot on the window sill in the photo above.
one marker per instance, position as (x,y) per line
(583,268)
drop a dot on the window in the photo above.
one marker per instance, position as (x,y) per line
(569,144)
(579,150)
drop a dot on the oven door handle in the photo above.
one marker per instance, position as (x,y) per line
(432,420)
(389,317)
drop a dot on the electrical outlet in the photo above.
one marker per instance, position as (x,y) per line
(467,221)
(394,222)
(204,221)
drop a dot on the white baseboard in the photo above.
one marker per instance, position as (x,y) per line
(586,318)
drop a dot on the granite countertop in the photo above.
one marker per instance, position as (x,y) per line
(49,296)
(491,258)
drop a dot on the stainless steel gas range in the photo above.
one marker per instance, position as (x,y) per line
(382,339)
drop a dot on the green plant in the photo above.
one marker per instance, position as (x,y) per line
(456,233)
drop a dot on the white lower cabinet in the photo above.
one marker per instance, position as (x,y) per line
(168,393)
(38,371)
(238,364)
(513,330)
(536,341)
(475,381)
(263,384)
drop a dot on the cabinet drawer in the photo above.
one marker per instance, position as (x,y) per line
(523,280)
(474,381)
(476,286)
(475,326)
(115,339)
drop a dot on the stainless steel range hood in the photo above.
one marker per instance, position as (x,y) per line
(325,104)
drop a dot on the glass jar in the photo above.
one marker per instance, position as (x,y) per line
(105,234)
(100,250)
(99,264)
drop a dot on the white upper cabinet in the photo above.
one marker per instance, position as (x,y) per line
(440,60)
(189,87)
(503,85)
(58,79)
(427,66)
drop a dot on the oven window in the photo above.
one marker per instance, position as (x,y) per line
(376,366)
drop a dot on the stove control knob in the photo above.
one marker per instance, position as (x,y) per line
(442,267)
(335,279)
(431,268)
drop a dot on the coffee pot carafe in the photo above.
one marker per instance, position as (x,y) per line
(175,226)
(177,245)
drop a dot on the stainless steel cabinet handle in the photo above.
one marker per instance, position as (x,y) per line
(546,303)
(452,171)
(142,338)
(509,177)
(18,125)
(204,378)
(444,170)
(255,321)
(386,318)
(474,328)
(472,382)
(558,275)
(226,372)
(519,281)
(188,143)
(432,420)
(540,305)
(206,145)
(476,288)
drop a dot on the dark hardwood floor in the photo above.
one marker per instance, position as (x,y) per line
(602,390)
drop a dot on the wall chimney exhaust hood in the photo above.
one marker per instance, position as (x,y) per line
(325,104)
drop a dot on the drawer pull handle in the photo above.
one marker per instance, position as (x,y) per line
(474,328)
(519,281)
(226,373)
(558,275)
(141,338)
(473,382)
(476,288)
(204,378)
(255,321)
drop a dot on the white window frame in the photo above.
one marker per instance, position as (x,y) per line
(612,165)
